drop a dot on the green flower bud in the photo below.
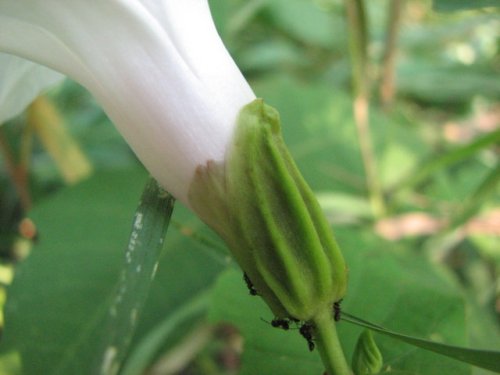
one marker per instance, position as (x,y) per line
(259,203)
(367,359)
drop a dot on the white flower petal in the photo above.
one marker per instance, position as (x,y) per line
(173,107)
(23,34)
(21,81)
(210,60)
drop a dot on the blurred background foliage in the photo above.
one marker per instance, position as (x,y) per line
(423,260)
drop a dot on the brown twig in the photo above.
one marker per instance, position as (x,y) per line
(17,172)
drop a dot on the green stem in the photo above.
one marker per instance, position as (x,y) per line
(328,344)
(388,81)
(358,47)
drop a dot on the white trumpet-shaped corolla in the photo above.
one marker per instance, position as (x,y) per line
(158,68)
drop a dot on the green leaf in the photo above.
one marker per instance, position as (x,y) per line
(10,363)
(142,255)
(487,359)
(154,340)
(344,208)
(435,82)
(61,293)
(58,303)
(224,12)
(307,22)
(271,53)
(454,5)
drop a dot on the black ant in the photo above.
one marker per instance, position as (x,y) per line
(251,288)
(337,311)
(281,323)
(306,330)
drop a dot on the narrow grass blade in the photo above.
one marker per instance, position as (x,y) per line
(141,258)
(434,164)
(485,189)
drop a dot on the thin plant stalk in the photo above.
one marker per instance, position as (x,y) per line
(388,79)
(358,43)
(328,344)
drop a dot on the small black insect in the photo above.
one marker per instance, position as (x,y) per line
(281,323)
(251,288)
(337,311)
(306,330)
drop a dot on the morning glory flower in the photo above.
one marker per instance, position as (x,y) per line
(164,77)
(158,68)
(162,74)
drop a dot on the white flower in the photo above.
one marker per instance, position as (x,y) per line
(158,68)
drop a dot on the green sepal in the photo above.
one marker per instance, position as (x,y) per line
(262,207)
(367,359)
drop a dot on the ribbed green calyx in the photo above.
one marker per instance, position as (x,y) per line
(261,206)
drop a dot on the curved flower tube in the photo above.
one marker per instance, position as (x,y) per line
(158,68)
